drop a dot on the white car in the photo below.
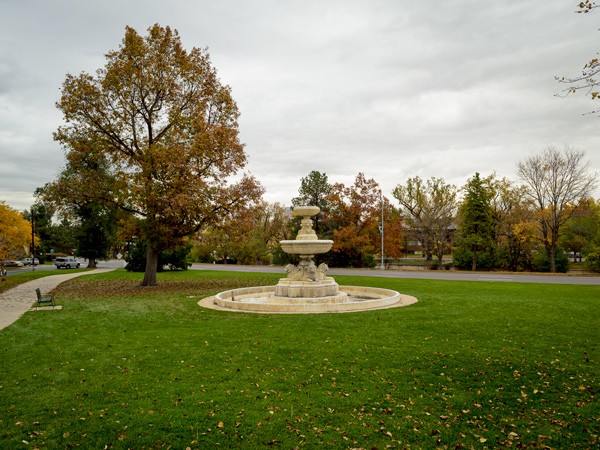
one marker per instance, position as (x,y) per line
(28,261)
(12,263)
(66,263)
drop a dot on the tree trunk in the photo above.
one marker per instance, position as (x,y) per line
(440,257)
(552,257)
(474,265)
(92,263)
(151,267)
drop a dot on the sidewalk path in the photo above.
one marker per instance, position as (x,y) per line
(17,301)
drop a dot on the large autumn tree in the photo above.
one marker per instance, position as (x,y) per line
(555,182)
(168,129)
(354,215)
(430,210)
(512,222)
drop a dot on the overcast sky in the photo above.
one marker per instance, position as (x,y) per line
(393,89)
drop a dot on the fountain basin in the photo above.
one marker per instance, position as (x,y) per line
(305,211)
(262,299)
(306,247)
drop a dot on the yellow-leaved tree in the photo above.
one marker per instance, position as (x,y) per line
(166,131)
(15,233)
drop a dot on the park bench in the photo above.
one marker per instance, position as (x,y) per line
(43,300)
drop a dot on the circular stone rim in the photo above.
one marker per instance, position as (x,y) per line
(387,298)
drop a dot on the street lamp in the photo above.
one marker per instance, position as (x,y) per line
(32,241)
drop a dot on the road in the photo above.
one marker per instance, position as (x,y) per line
(109,264)
(426,274)
(508,277)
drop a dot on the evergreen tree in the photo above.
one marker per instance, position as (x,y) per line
(96,231)
(475,241)
(313,191)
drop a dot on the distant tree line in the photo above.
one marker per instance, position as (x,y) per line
(151,143)
(489,223)
(495,223)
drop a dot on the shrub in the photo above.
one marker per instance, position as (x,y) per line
(368,261)
(175,259)
(202,254)
(541,262)
(514,262)
(593,260)
(462,259)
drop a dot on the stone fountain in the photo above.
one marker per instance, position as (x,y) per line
(307,289)
(306,282)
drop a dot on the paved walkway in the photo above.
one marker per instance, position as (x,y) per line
(17,301)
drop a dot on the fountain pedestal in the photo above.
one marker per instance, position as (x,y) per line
(307,289)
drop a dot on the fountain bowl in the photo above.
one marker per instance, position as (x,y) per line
(305,211)
(306,247)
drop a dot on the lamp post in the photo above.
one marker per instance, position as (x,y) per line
(381,231)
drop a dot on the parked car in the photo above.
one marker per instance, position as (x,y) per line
(12,263)
(29,261)
(66,263)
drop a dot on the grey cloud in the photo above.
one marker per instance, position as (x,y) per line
(389,88)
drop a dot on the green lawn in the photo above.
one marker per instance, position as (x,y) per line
(471,365)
